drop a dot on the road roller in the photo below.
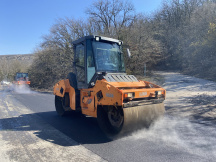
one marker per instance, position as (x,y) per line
(99,87)
(21,79)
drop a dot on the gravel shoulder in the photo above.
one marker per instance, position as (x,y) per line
(189,97)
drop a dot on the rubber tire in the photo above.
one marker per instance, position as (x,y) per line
(105,125)
(59,107)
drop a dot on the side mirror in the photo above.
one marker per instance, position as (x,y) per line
(128,53)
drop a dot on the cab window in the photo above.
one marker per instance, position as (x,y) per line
(80,62)
(90,61)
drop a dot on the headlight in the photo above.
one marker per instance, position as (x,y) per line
(158,93)
(97,38)
(129,95)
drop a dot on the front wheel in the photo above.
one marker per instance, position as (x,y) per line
(110,120)
(115,117)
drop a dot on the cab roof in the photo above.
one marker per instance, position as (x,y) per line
(94,37)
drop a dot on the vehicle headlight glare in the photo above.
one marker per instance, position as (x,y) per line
(159,92)
(97,38)
(129,95)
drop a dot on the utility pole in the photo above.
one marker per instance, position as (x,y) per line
(144,69)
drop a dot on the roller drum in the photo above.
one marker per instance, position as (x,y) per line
(133,118)
(141,116)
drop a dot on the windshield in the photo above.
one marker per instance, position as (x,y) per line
(21,76)
(108,57)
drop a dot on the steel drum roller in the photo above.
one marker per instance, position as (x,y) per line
(132,118)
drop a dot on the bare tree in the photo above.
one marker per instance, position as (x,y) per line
(200,52)
(143,43)
(111,16)
(174,21)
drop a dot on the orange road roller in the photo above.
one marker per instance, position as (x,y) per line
(99,87)
(21,78)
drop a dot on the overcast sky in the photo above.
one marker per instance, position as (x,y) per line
(23,22)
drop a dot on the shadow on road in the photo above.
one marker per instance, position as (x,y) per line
(204,107)
(49,126)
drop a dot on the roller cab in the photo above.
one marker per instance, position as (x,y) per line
(99,87)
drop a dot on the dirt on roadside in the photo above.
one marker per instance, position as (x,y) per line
(187,96)
(204,107)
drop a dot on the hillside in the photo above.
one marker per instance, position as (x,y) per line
(22,58)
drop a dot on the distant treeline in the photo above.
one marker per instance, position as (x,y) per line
(181,35)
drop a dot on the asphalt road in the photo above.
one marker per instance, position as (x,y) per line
(31,130)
